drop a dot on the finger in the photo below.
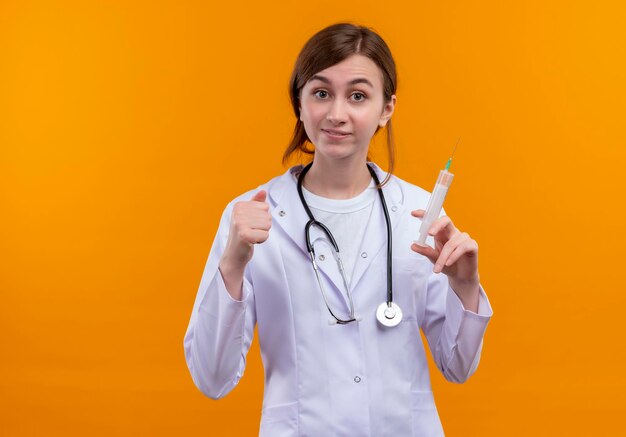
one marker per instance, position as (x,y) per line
(418,213)
(255,206)
(469,248)
(254,236)
(251,208)
(245,208)
(260,196)
(261,222)
(256,210)
(251,220)
(426,251)
(447,249)
(443,228)
(249,216)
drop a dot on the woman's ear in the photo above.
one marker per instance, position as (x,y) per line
(387,111)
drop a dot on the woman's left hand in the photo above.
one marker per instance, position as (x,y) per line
(456,255)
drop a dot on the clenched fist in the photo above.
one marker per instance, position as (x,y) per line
(250,224)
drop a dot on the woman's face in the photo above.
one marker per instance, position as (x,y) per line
(342,106)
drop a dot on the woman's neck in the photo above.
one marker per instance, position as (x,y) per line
(343,179)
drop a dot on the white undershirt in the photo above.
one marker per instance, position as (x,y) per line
(346,219)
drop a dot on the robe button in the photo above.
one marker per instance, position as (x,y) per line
(282,213)
(321,257)
(394,208)
(357,379)
(363,254)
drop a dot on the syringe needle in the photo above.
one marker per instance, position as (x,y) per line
(449,163)
(455,146)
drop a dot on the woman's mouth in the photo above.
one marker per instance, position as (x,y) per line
(336,134)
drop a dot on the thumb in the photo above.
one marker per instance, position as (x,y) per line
(426,251)
(260,196)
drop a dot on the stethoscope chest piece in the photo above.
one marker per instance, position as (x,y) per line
(389,315)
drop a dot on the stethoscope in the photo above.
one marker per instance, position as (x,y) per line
(388,313)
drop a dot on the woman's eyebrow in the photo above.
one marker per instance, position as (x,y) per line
(352,82)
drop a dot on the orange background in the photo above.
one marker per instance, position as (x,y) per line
(126,127)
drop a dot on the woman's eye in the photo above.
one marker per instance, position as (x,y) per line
(322,94)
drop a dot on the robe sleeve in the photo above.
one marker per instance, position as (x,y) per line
(220,330)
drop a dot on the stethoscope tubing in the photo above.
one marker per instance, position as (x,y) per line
(313,222)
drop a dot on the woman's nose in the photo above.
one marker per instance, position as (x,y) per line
(337,112)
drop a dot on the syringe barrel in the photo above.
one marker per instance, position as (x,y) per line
(435,203)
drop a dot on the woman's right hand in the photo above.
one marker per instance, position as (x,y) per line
(250,224)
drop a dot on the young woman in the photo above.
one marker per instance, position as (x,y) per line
(321,259)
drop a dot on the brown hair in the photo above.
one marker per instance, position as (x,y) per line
(326,48)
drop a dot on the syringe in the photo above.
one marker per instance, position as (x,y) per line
(435,203)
